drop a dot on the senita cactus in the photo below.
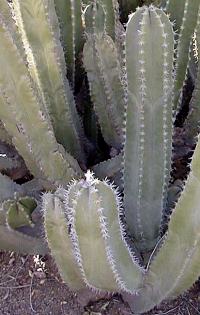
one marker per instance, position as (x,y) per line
(135,79)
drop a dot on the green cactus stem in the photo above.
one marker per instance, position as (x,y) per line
(47,67)
(104,75)
(19,211)
(148,135)
(57,233)
(92,209)
(19,139)
(111,8)
(54,163)
(108,168)
(12,240)
(185,14)
(69,16)
(193,120)
(180,252)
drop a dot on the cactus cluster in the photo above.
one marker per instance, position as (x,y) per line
(81,90)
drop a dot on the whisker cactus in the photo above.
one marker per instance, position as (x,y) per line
(104,200)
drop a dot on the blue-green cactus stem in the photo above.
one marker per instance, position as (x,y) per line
(180,252)
(47,66)
(57,233)
(148,134)
(112,15)
(184,14)
(104,75)
(192,122)
(16,85)
(70,20)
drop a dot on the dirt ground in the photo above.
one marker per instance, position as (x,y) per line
(30,285)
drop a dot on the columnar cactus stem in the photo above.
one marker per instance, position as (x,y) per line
(57,233)
(46,53)
(108,168)
(19,140)
(16,84)
(124,265)
(148,142)
(193,120)
(19,211)
(101,63)
(19,242)
(88,234)
(112,16)
(180,252)
(93,212)
(69,16)
(185,14)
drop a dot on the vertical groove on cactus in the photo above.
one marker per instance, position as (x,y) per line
(48,57)
(125,266)
(69,15)
(104,74)
(149,62)
(57,233)
(176,12)
(112,16)
(16,84)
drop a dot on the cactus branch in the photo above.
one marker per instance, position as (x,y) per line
(15,82)
(149,62)
(103,70)
(185,14)
(180,252)
(57,233)
(48,56)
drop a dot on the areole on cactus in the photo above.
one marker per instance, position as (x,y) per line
(105,234)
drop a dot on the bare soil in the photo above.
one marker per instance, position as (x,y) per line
(31,285)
